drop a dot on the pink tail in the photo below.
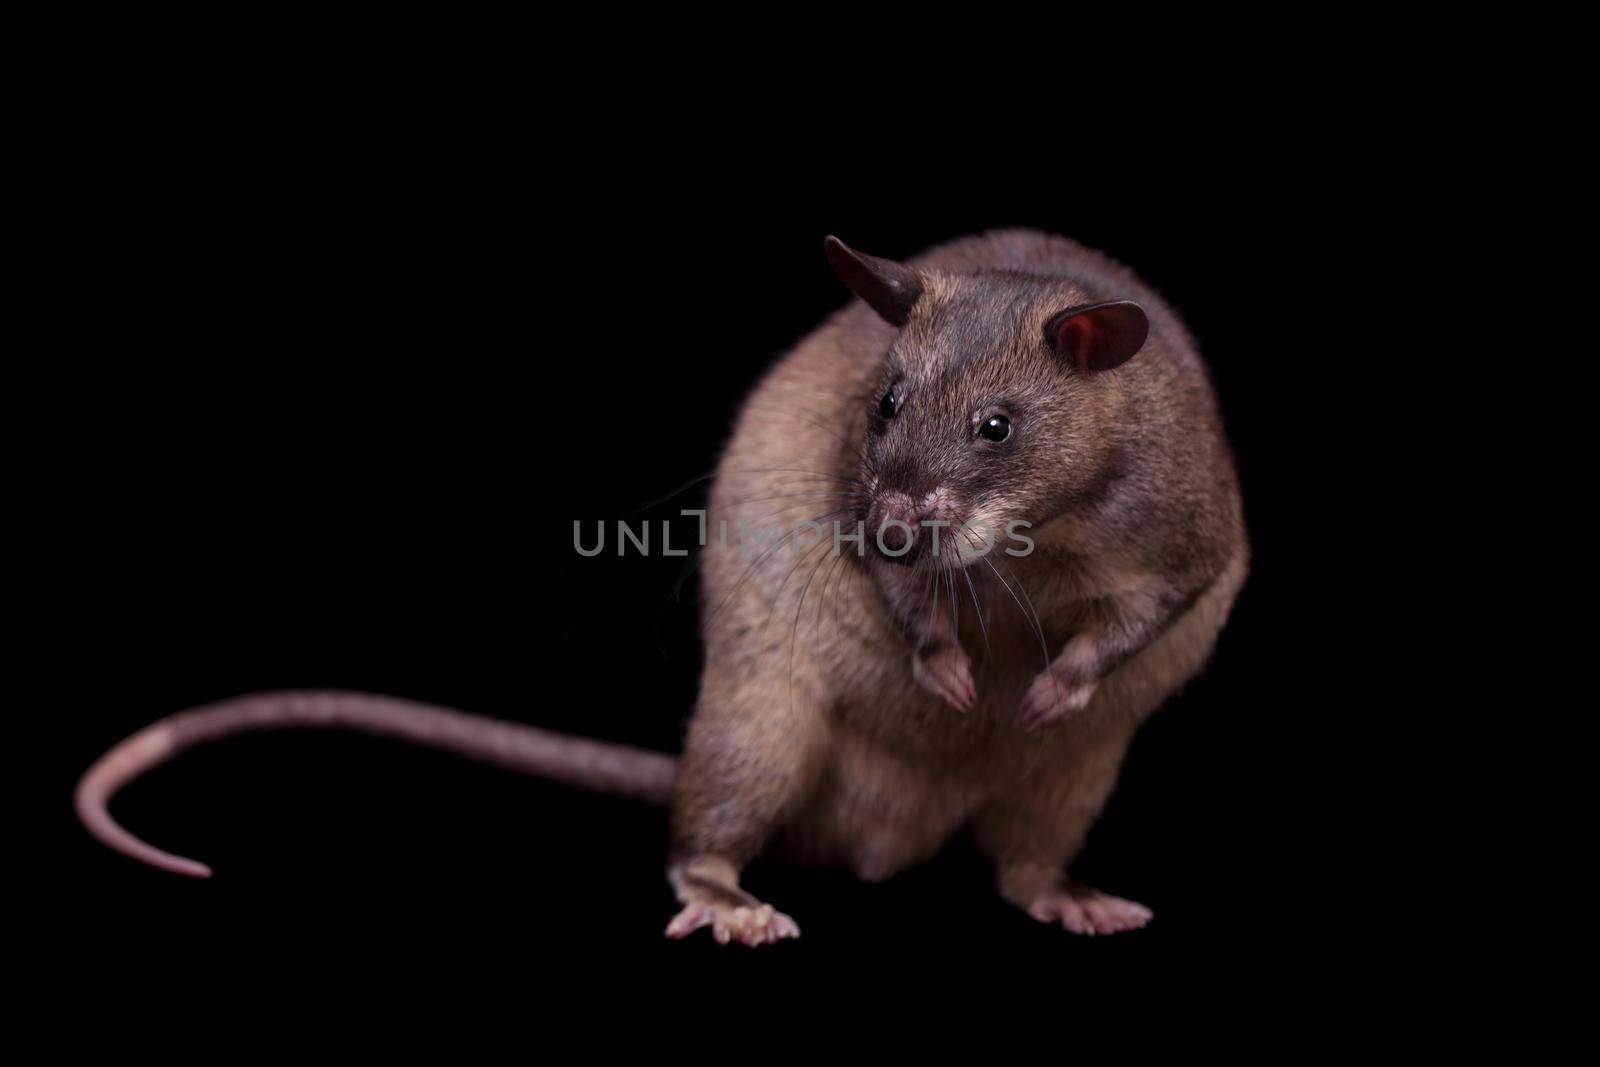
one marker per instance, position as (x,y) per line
(594,765)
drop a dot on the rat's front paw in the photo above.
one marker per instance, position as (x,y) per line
(1054,695)
(946,672)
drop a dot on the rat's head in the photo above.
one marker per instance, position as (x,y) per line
(991,411)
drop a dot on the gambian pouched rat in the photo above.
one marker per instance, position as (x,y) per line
(1052,542)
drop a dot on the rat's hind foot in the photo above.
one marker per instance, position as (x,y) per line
(708,889)
(747,925)
(1051,898)
(1087,911)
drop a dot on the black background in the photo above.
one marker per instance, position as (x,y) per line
(357,382)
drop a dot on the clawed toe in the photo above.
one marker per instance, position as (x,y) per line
(1082,910)
(1050,699)
(947,674)
(759,925)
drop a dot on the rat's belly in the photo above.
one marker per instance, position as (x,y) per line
(877,812)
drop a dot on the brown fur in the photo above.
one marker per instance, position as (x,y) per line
(812,733)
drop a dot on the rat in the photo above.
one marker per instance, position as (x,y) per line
(1014,530)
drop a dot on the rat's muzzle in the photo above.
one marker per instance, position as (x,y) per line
(907,530)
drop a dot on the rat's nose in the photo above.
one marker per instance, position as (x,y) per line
(893,526)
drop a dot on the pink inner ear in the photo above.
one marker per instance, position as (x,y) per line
(1075,338)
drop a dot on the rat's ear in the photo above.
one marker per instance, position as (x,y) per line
(889,288)
(1098,337)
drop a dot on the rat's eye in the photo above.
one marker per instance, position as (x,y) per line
(995,428)
(888,405)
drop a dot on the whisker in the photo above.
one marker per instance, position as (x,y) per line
(827,475)
(1032,620)
(778,596)
(815,420)
(983,627)
(779,543)
(685,487)
(955,607)
(853,572)
(794,628)
(797,504)
(822,595)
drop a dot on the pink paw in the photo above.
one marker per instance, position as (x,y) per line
(1052,698)
(1088,911)
(946,672)
(759,925)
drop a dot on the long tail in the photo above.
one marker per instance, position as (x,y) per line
(595,765)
